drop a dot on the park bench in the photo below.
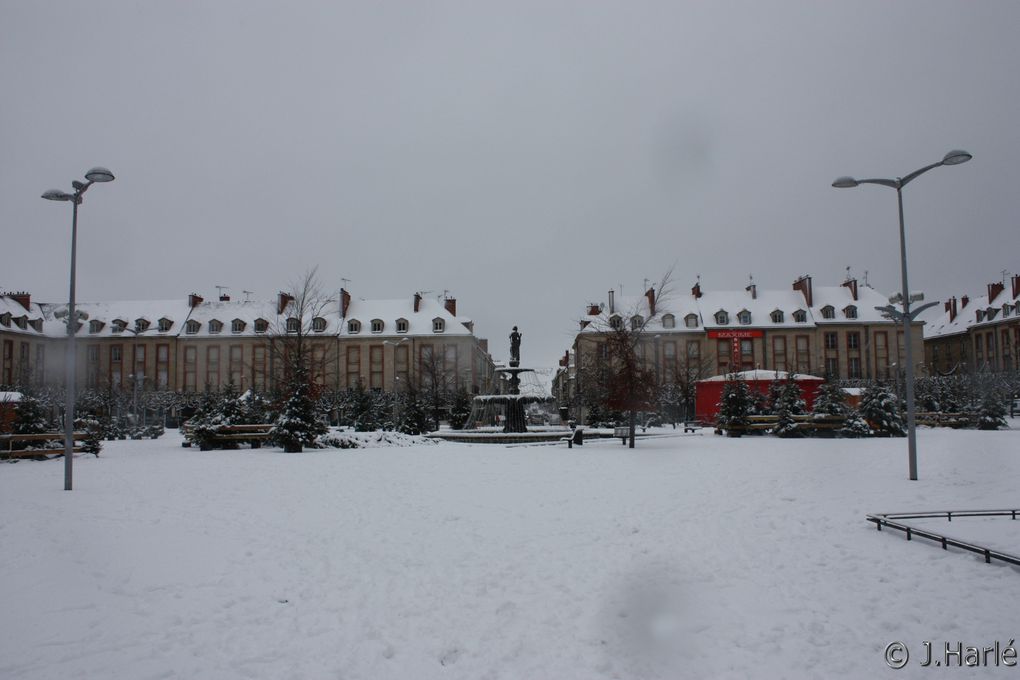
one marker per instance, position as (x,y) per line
(690,427)
(253,435)
(11,439)
(576,437)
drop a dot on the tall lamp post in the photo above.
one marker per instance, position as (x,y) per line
(92,176)
(906,316)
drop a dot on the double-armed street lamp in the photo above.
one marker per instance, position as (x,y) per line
(92,176)
(907,315)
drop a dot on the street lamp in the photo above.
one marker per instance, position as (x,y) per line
(94,175)
(906,316)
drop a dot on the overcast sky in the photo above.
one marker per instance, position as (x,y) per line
(524,156)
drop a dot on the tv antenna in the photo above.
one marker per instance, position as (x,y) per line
(247,295)
(1005,275)
(220,289)
(344,281)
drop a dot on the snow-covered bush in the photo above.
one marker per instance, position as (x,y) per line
(881,408)
(855,426)
(299,424)
(734,407)
(831,400)
(790,404)
(30,417)
(992,413)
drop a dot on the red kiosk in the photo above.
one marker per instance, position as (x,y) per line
(709,391)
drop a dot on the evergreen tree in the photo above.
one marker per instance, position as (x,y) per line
(298,425)
(413,417)
(30,417)
(791,403)
(992,413)
(831,400)
(734,407)
(460,409)
(881,409)
(855,425)
(774,394)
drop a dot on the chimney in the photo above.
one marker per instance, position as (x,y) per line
(612,302)
(963,301)
(803,284)
(1016,286)
(483,343)
(21,297)
(224,297)
(451,306)
(282,300)
(650,294)
(594,309)
(417,301)
(951,308)
(194,300)
(753,290)
(993,291)
(345,302)
(852,285)
(696,291)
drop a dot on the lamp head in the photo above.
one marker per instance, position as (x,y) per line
(57,195)
(99,175)
(845,183)
(955,157)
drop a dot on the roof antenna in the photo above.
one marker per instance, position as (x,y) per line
(247,295)
(220,289)
(646,285)
(848,276)
(621,290)
(344,281)
(1005,275)
(866,278)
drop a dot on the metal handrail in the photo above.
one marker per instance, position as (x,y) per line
(890,520)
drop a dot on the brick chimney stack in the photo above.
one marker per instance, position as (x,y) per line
(417,302)
(451,305)
(21,297)
(594,309)
(803,284)
(224,297)
(282,300)
(1016,286)
(650,294)
(612,301)
(696,290)
(194,300)
(345,302)
(753,290)
(852,285)
(951,308)
(963,301)
(993,291)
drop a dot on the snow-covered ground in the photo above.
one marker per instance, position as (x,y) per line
(689,556)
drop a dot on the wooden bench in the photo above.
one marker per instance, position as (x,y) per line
(577,437)
(254,435)
(690,427)
(11,439)
(622,432)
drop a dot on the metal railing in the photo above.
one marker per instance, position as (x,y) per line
(891,520)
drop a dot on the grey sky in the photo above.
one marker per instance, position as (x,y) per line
(525,156)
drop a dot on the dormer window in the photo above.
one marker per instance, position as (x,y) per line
(668,321)
(1005,310)
(293,325)
(828,312)
(377,325)
(777,316)
(21,322)
(691,320)
(850,312)
(636,322)
(141,325)
(261,325)
(165,324)
(37,325)
(237,326)
(353,326)
(722,318)
(5,319)
(438,325)
(95,326)
(991,312)
(192,327)
(979,314)
(401,325)
(615,322)
(118,326)
(800,316)
(215,326)
(744,317)
(318,324)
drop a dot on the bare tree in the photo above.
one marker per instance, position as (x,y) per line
(437,384)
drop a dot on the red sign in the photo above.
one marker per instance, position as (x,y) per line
(736,334)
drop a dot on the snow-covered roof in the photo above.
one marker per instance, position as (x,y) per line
(10,397)
(15,318)
(760,375)
(1002,308)
(391,311)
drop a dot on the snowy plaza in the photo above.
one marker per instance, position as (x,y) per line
(688,556)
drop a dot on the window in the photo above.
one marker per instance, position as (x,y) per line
(779,353)
(881,354)
(450,364)
(438,325)
(636,322)
(95,326)
(318,324)
(691,320)
(215,326)
(401,365)
(800,316)
(139,369)
(40,363)
(747,354)
(236,353)
(353,366)
(377,325)
(261,325)
(212,367)
(669,360)
(141,325)
(5,319)
(116,367)
(850,312)
(832,367)
(853,340)
(237,326)
(119,326)
(693,349)
(192,327)
(828,312)
(803,354)
(853,367)
(615,322)
(668,321)
(162,366)
(165,324)
(190,371)
(319,363)
(8,366)
(293,325)
(723,349)
(722,318)
(744,317)
(401,325)
(258,367)
(21,321)
(353,326)
(777,316)
(92,366)
(831,341)
(376,367)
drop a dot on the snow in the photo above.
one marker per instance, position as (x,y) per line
(697,556)
(10,397)
(760,375)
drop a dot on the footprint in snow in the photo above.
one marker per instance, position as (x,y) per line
(450,657)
